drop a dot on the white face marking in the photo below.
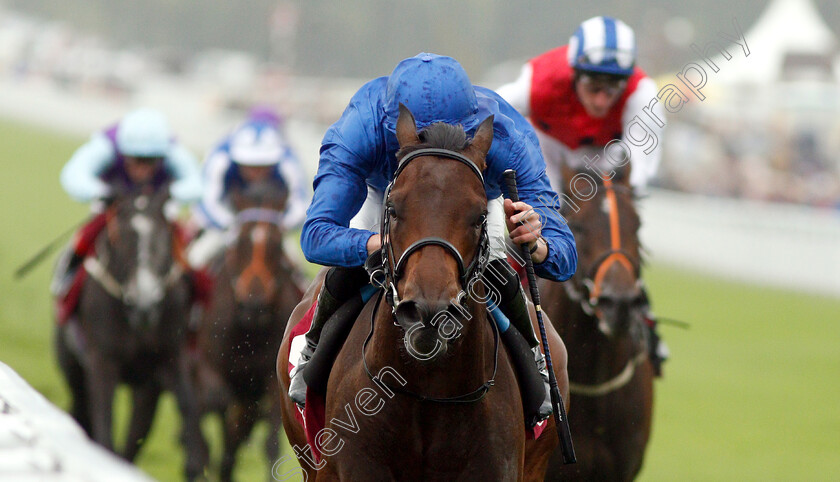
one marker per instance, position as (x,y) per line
(146,288)
(259,234)
(605,206)
(141,202)
(142,224)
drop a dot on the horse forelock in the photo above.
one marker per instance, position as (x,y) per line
(439,135)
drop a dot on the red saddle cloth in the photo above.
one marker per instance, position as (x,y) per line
(313,416)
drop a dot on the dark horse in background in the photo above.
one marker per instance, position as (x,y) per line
(600,313)
(255,290)
(387,430)
(132,322)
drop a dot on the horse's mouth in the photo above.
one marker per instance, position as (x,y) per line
(423,343)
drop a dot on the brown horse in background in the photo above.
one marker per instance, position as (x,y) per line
(255,290)
(600,315)
(132,323)
(385,414)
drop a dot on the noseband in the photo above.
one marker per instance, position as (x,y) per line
(392,274)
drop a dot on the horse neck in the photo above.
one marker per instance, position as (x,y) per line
(467,365)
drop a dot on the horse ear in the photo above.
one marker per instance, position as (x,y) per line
(406,128)
(484,136)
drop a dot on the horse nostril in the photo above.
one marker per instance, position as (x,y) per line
(408,313)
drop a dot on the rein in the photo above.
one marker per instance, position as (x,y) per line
(392,274)
(612,384)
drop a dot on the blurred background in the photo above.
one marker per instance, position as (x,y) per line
(742,229)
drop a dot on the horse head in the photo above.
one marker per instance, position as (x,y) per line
(256,257)
(605,223)
(434,230)
(138,254)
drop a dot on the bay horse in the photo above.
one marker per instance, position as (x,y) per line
(600,313)
(255,290)
(131,327)
(455,415)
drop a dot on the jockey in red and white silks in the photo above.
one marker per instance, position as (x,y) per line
(581,96)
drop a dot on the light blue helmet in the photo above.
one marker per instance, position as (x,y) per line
(435,88)
(603,45)
(144,133)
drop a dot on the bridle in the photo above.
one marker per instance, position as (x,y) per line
(616,254)
(391,274)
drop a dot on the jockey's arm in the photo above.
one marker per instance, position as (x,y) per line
(339,194)
(348,152)
(292,172)
(184,167)
(518,92)
(643,136)
(214,210)
(556,255)
(80,176)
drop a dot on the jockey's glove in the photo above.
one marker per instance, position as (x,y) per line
(375,269)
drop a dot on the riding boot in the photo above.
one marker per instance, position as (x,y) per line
(327,305)
(515,306)
(657,349)
(339,285)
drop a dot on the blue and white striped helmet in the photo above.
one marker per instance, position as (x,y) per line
(604,45)
(256,143)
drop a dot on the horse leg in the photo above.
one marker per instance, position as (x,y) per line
(275,419)
(75,376)
(144,406)
(102,378)
(176,379)
(240,418)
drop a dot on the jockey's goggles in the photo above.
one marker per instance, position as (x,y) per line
(149,161)
(595,83)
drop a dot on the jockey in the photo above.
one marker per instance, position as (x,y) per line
(256,151)
(138,152)
(586,95)
(358,161)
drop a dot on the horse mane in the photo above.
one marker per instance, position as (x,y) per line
(439,135)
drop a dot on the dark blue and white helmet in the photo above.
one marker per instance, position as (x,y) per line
(603,45)
(256,143)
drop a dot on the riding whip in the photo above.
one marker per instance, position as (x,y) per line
(561,421)
(41,255)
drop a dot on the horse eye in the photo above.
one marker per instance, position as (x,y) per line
(481,219)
